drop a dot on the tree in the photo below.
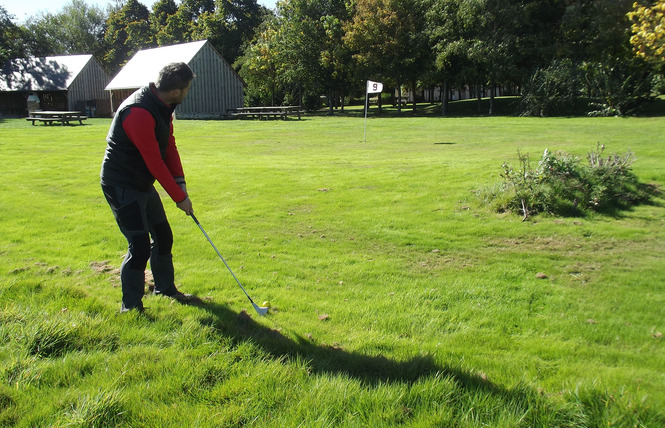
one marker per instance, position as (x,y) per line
(162,10)
(454,29)
(388,41)
(648,26)
(311,50)
(128,30)
(177,29)
(596,36)
(230,26)
(335,59)
(592,30)
(489,42)
(77,29)
(11,37)
(261,66)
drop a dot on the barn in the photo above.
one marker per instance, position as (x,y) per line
(216,89)
(70,82)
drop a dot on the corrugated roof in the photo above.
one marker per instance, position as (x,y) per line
(144,66)
(51,73)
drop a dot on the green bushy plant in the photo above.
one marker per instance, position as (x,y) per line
(552,91)
(623,86)
(562,185)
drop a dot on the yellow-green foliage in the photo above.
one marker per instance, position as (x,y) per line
(648,27)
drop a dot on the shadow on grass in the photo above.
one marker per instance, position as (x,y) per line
(322,358)
(370,370)
(375,371)
(653,196)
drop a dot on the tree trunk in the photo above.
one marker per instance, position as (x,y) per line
(480,97)
(413,92)
(444,99)
(399,98)
(330,102)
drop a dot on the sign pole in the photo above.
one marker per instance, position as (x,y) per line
(371,88)
(366,108)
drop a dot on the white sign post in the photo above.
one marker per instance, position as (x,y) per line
(372,88)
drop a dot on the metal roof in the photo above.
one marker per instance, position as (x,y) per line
(145,65)
(51,73)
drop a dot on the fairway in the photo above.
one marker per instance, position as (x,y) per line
(396,297)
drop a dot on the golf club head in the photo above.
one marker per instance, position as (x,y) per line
(261,310)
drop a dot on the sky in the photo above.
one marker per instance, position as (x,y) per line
(23,9)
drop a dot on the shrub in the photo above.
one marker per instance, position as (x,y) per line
(552,91)
(624,86)
(562,185)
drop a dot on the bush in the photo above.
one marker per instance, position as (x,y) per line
(552,91)
(562,185)
(624,86)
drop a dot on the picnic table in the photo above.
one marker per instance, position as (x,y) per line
(49,117)
(267,112)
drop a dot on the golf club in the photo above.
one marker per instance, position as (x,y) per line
(261,310)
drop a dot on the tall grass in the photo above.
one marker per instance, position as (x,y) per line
(397,298)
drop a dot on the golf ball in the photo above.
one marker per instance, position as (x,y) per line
(266,304)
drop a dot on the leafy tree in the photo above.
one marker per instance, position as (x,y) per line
(161,11)
(261,66)
(195,8)
(11,36)
(335,59)
(552,90)
(77,29)
(450,56)
(648,26)
(229,26)
(128,30)
(387,39)
(596,36)
(311,51)
(592,30)
(177,29)
(490,42)
(298,53)
(624,85)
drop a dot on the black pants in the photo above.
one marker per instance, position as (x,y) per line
(140,216)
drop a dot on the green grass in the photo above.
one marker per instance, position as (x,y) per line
(397,298)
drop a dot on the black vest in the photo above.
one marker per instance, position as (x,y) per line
(123,164)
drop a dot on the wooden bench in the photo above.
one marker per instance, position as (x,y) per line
(45,120)
(266,112)
(80,118)
(48,118)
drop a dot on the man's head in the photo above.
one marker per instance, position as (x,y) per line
(174,81)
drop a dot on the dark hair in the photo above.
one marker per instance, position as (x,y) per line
(176,75)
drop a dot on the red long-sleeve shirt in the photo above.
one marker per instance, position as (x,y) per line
(140,128)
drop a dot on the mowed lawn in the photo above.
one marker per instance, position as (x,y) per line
(396,297)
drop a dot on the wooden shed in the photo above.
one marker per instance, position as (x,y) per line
(70,82)
(216,89)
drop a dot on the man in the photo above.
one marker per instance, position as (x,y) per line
(141,149)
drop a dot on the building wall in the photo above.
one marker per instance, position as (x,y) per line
(216,88)
(117,96)
(13,104)
(87,90)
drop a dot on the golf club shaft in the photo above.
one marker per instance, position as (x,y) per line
(220,256)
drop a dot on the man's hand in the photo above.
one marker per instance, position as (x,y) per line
(186,206)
